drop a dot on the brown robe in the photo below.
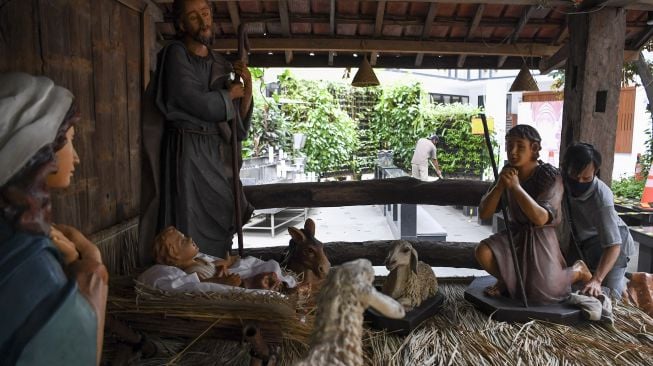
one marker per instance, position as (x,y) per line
(546,277)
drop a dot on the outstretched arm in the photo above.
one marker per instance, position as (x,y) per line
(436,165)
(608,258)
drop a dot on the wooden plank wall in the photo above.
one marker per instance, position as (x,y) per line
(625,121)
(94,48)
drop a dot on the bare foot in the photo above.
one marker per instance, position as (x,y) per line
(581,272)
(495,290)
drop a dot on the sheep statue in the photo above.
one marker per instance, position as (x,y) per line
(410,282)
(337,335)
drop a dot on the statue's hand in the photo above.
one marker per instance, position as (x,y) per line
(85,248)
(65,246)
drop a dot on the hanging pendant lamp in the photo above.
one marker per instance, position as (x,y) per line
(524,81)
(365,75)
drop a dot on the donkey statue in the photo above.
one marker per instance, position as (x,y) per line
(305,254)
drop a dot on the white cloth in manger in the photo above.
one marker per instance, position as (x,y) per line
(174,279)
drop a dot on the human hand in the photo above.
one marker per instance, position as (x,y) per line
(241,69)
(592,288)
(236,91)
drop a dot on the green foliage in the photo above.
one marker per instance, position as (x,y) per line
(331,135)
(270,126)
(345,126)
(403,115)
(461,152)
(628,188)
(399,121)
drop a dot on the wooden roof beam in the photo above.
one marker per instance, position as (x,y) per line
(332,27)
(378,28)
(555,61)
(472,28)
(515,33)
(627,4)
(642,38)
(387,45)
(234,15)
(285,26)
(426,31)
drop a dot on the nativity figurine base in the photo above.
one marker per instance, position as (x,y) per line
(513,311)
(428,308)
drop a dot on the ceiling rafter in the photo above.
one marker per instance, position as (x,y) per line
(478,15)
(626,4)
(387,45)
(378,28)
(285,26)
(642,38)
(515,32)
(232,6)
(426,30)
(332,27)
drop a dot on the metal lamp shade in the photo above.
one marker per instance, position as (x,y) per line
(365,75)
(524,81)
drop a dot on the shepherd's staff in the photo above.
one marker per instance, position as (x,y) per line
(513,250)
(243,48)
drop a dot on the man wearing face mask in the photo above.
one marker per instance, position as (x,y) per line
(601,235)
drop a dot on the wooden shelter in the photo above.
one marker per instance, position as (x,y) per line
(104,51)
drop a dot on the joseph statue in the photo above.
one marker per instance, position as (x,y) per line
(188,107)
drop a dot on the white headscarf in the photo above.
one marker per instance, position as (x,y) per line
(31,110)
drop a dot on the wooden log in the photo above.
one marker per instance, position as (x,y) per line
(435,253)
(353,193)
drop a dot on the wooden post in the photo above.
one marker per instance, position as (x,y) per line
(593,82)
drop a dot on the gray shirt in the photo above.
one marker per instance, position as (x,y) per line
(424,150)
(593,214)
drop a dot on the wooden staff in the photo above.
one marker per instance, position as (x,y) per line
(503,204)
(242,55)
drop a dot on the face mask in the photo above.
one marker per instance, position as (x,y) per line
(577,188)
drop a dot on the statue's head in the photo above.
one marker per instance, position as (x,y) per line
(194,19)
(66,155)
(173,248)
(32,113)
(523,145)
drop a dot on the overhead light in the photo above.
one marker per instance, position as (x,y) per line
(355,55)
(524,81)
(311,53)
(270,53)
(365,75)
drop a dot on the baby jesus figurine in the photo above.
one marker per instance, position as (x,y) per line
(173,248)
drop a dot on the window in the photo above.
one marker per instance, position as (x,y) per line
(448,98)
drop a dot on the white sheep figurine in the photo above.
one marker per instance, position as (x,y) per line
(410,282)
(337,335)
